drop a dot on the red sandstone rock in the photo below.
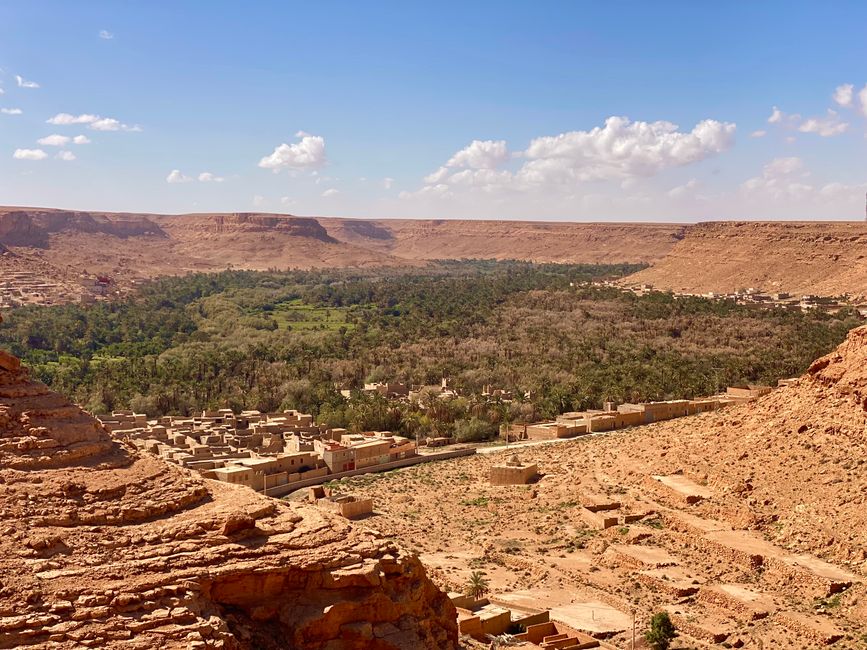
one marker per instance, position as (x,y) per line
(103,547)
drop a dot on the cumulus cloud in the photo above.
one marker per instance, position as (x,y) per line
(95,122)
(54,140)
(64,119)
(481,154)
(782,178)
(761,133)
(308,153)
(65,155)
(862,99)
(23,83)
(330,192)
(622,149)
(683,190)
(258,200)
(175,176)
(106,35)
(776,117)
(478,155)
(11,111)
(827,126)
(842,190)
(843,95)
(29,154)
(387,182)
(81,139)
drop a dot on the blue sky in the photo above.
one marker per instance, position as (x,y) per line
(545,110)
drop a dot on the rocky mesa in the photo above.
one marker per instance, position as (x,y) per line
(820,258)
(104,547)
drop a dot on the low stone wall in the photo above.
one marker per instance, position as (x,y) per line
(283,490)
(815,633)
(698,631)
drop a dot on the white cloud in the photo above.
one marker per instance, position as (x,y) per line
(105,35)
(65,155)
(208,177)
(285,200)
(387,182)
(843,95)
(842,190)
(622,149)
(258,200)
(782,178)
(478,155)
(175,176)
(11,111)
(827,126)
(776,116)
(683,190)
(54,140)
(330,192)
(309,153)
(29,154)
(862,99)
(111,124)
(23,83)
(81,139)
(64,119)
(94,122)
(2,92)
(761,133)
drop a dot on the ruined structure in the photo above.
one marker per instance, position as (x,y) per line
(513,472)
(103,546)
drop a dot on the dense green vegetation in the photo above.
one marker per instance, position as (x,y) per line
(292,340)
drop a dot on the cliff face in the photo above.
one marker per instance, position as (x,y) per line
(796,257)
(580,243)
(104,547)
(33,227)
(244,222)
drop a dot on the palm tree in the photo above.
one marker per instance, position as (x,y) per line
(478,585)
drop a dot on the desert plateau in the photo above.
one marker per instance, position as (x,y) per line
(433,326)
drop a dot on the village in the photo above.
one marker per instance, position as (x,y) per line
(23,288)
(278,453)
(758,299)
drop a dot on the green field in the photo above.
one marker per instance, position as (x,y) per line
(294,315)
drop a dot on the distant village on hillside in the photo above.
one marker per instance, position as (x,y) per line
(277,453)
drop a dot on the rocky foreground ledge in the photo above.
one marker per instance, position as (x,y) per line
(103,547)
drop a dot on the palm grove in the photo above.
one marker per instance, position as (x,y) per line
(543,333)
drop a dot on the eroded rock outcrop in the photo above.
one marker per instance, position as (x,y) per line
(33,227)
(103,547)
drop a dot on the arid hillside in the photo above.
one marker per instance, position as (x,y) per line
(62,244)
(797,257)
(818,258)
(524,240)
(748,524)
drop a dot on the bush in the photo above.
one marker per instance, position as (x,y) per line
(474,430)
(661,631)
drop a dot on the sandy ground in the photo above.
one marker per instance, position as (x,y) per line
(730,541)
